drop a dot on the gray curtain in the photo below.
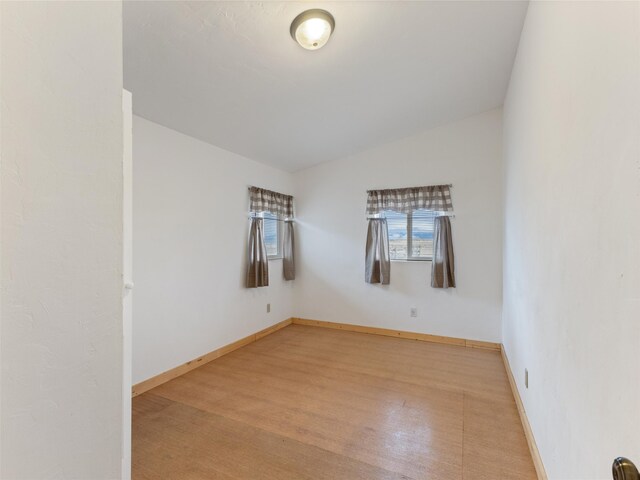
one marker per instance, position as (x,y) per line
(288,260)
(377,260)
(442,266)
(258,264)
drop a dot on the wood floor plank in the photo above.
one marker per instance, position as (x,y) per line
(368,429)
(494,442)
(384,407)
(201,445)
(444,366)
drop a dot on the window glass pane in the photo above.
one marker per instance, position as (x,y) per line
(422,233)
(271,234)
(397,224)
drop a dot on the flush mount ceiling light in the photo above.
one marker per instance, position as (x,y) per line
(312,28)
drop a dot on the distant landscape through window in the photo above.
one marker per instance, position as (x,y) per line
(272,235)
(410,236)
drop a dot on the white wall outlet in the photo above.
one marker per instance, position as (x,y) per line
(268,308)
(414,312)
(526,378)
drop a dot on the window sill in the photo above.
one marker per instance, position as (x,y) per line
(415,260)
(274,258)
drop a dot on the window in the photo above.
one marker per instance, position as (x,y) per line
(272,235)
(410,235)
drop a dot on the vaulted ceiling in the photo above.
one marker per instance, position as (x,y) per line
(229,73)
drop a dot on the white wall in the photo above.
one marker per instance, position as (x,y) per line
(61,251)
(190,231)
(331,198)
(572,237)
(127,276)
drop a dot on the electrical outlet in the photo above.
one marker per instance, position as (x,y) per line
(414,312)
(268,308)
(526,378)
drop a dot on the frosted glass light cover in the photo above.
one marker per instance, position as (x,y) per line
(312,29)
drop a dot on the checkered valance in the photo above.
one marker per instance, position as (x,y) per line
(261,200)
(406,200)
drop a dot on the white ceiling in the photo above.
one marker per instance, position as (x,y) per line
(229,73)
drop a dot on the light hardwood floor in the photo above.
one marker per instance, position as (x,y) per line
(314,403)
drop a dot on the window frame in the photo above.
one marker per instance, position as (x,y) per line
(410,256)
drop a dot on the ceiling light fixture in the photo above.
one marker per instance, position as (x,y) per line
(312,28)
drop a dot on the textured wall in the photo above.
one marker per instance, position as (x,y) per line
(61,251)
(572,232)
(190,224)
(331,200)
